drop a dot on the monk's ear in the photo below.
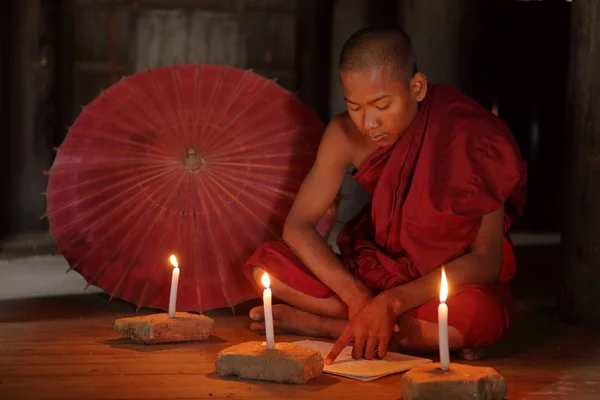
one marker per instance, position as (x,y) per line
(418,86)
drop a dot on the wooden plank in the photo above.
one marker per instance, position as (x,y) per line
(246,6)
(160,38)
(75,358)
(270,41)
(97,67)
(93,29)
(272,5)
(286,78)
(214,38)
(224,5)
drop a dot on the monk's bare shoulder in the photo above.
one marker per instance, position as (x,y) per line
(355,144)
(336,143)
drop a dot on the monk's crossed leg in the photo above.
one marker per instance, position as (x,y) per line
(479,316)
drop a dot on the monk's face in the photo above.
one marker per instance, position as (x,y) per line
(380,104)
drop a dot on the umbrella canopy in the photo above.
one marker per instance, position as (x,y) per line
(202,162)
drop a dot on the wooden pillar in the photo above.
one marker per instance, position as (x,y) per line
(29,149)
(7,31)
(314,51)
(579,299)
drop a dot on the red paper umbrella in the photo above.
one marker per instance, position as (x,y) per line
(202,162)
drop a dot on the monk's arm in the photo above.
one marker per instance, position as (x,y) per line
(316,194)
(481,264)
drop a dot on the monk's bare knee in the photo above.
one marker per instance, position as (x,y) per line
(257,274)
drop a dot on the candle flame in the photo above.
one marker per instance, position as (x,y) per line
(173,261)
(443,287)
(266,281)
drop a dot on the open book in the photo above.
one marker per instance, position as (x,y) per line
(363,370)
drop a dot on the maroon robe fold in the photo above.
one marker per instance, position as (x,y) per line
(456,163)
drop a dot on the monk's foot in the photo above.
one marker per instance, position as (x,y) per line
(292,320)
(471,354)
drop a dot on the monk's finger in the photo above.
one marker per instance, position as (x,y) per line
(257,313)
(360,341)
(384,341)
(257,326)
(338,346)
(370,347)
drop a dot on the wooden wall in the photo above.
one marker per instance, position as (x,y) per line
(115,38)
(62,53)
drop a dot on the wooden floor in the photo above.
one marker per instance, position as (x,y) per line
(65,348)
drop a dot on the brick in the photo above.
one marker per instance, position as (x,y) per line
(159,328)
(428,381)
(286,363)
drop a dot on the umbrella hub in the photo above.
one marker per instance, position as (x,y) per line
(192,159)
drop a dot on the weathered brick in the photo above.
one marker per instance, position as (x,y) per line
(286,363)
(429,382)
(159,328)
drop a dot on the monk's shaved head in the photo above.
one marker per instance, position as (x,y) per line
(379,46)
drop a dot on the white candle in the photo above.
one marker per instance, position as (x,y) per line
(174,284)
(268,311)
(443,324)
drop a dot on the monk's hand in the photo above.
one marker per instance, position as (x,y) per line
(357,303)
(370,329)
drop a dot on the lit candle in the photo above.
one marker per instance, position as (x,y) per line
(268,311)
(443,324)
(174,284)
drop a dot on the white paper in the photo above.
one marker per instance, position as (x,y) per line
(363,370)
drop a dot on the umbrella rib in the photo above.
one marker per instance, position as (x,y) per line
(250,126)
(139,245)
(209,112)
(240,203)
(213,240)
(262,186)
(92,280)
(140,302)
(196,113)
(141,94)
(181,113)
(211,145)
(83,217)
(275,138)
(110,177)
(172,194)
(238,220)
(287,154)
(197,263)
(194,192)
(69,168)
(236,92)
(261,176)
(231,236)
(121,222)
(98,134)
(248,195)
(111,150)
(158,92)
(104,190)
(141,110)
(253,165)
(131,257)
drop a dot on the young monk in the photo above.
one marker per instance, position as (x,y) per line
(446,180)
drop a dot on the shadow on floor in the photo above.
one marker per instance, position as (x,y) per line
(80,306)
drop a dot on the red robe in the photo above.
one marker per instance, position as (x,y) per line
(430,190)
